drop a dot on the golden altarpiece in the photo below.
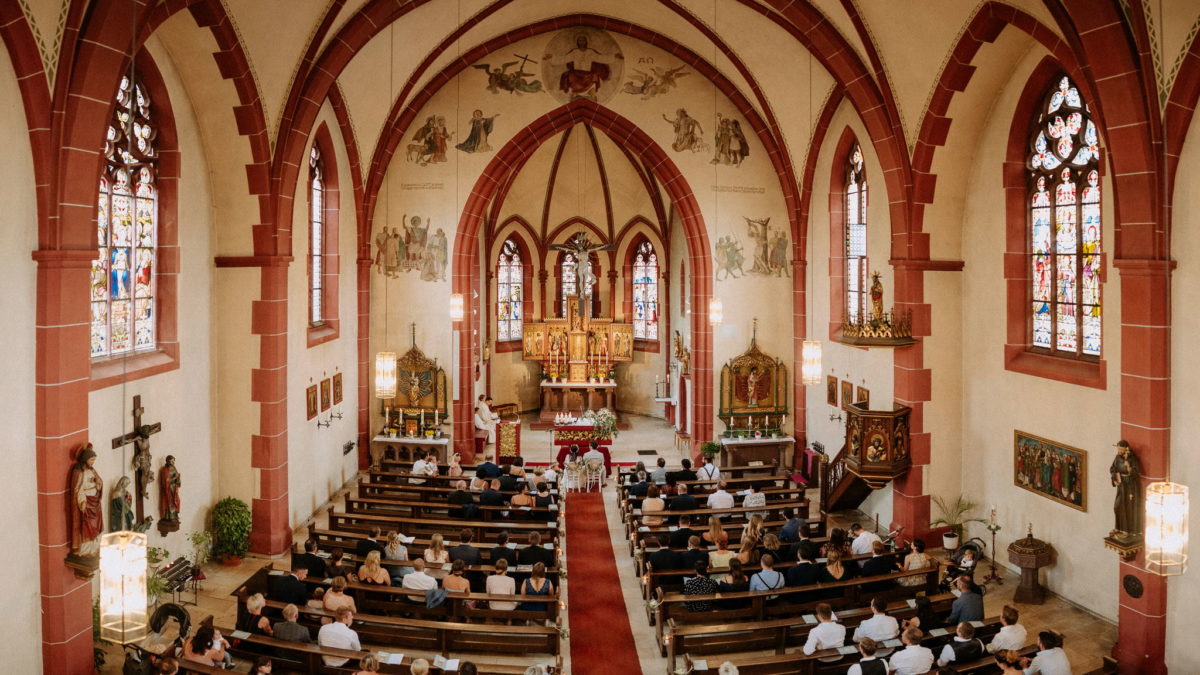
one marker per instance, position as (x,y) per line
(754,408)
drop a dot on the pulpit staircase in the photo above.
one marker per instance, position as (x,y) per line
(876,451)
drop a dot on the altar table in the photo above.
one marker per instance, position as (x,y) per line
(409,445)
(575,397)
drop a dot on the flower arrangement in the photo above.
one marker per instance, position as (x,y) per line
(606,422)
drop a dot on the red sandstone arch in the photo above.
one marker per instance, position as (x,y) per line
(510,159)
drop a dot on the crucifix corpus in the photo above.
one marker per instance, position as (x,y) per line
(581,248)
(144,472)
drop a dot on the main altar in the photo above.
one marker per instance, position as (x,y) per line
(578,353)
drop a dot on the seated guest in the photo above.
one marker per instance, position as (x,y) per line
(1012,634)
(421,667)
(262,666)
(917,560)
(309,560)
(367,665)
(720,558)
(394,549)
(291,587)
(767,578)
(425,466)
(207,647)
(468,668)
(880,627)
(699,585)
(418,579)
(543,498)
(491,496)
(693,554)
(806,571)
(968,606)
(770,544)
(593,453)
(685,472)
(913,659)
(436,552)
(746,552)
(827,634)
(499,583)
(870,664)
(317,601)
(167,665)
(679,538)
(682,501)
(522,499)
(734,582)
(510,479)
(338,565)
(252,620)
(863,540)
(708,470)
(803,538)
(964,647)
(455,467)
(1050,659)
(1010,661)
(463,499)
(465,551)
(502,550)
(925,616)
(837,542)
(488,470)
(640,486)
(288,629)
(716,532)
(833,571)
(659,474)
(369,544)
(536,585)
(372,572)
(339,635)
(661,559)
(652,504)
(790,533)
(753,529)
(551,474)
(336,598)
(880,562)
(720,498)
(756,498)
(535,552)
(455,581)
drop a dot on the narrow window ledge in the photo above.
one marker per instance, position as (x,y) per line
(112,370)
(1094,374)
(321,333)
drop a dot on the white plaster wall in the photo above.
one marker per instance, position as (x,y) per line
(316,465)
(995,401)
(183,400)
(18,237)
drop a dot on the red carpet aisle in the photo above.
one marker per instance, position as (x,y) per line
(601,640)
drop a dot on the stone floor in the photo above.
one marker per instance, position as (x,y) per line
(1088,637)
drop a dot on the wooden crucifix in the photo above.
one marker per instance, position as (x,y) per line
(144,472)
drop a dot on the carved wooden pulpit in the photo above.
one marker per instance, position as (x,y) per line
(877,443)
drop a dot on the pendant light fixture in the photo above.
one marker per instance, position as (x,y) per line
(385,361)
(810,350)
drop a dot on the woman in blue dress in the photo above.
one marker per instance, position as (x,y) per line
(536,584)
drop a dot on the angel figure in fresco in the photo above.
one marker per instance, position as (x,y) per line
(481,128)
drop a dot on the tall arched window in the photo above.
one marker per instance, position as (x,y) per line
(568,284)
(1064,232)
(316,239)
(645,293)
(510,292)
(123,274)
(856,236)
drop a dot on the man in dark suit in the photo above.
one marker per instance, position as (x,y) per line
(639,488)
(661,559)
(534,553)
(679,538)
(693,554)
(291,587)
(364,547)
(880,562)
(465,551)
(464,499)
(685,473)
(502,551)
(310,561)
(488,470)
(491,496)
(682,501)
(806,571)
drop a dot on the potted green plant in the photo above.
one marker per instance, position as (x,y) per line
(710,449)
(230,530)
(156,556)
(954,514)
(201,541)
(155,586)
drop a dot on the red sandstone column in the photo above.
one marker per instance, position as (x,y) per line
(63,372)
(912,387)
(365,362)
(272,532)
(799,335)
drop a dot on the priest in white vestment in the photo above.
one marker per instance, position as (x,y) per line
(485,421)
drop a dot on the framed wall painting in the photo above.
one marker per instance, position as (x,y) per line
(337,388)
(326,393)
(863,396)
(847,394)
(831,390)
(310,397)
(1050,469)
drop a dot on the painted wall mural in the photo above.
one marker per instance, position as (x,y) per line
(582,63)
(514,82)
(429,142)
(689,135)
(415,250)
(656,82)
(481,128)
(769,256)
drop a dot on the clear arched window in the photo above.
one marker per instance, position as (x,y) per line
(645,293)
(1064,232)
(123,274)
(510,292)
(568,283)
(856,236)
(316,238)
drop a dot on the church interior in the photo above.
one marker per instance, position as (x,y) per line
(290,275)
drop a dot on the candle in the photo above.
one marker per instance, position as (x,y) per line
(422,417)
(435,416)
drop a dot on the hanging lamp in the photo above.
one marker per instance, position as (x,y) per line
(385,361)
(1166,528)
(810,351)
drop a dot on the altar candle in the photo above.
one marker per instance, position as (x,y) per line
(435,416)
(422,417)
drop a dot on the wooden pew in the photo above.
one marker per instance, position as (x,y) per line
(663,532)
(776,511)
(653,579)
(432,493)
(739,471)
(347,541)
(447,527)
(389,506)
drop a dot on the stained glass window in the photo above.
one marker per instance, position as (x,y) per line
(1064,234)
(316,239)
(123,273)
(567,280)
(645,293)
(856,236)
(510,292)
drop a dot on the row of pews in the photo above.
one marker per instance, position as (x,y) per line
(763,632)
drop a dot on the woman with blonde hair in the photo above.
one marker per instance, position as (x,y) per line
(436,551)
(501,584)
(716,533)
(746,553)
(336,598)
(368,664)
(753,528)
(653,504)
(394,549)
(834,570)
(253,620)
(372,572)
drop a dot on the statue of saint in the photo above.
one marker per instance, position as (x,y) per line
(120,507)
(414,389)
(752,387)
(682,355)
(876,297)
(168,490)
(87,512)
(1126,473)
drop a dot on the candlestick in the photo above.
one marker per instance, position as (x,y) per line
(422,418)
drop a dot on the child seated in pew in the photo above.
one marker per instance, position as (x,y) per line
(207,647)
(419,667)
(367,665)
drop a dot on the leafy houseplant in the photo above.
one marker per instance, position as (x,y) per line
(156,556)
(710,449)
(155,586)
(230,529)
(954,514)
(201,546)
